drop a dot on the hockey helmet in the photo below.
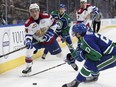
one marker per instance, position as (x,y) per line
(79,28)
(34,6)
(83,0)
(62,6)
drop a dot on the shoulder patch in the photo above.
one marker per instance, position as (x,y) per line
(44,15)
(80,11)
(29,21)
(88,5)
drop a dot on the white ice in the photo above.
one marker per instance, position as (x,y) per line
(55,77)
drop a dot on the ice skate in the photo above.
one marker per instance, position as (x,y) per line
(43,56)
(71,61)
(91,79)
(74,83)
(27,70)
(75,67)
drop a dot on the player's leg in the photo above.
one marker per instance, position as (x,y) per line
(84,74)
(71,61)
(69,44)
(98,26)
(53,48)
(112,51)
(89,72)
(94,26)
(45,50)
(28,60)
(93,68)
(106,62)
(44,53)
(74,83)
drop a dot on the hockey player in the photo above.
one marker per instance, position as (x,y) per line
(39,28)
(64,22)
(84,12)
(98,52)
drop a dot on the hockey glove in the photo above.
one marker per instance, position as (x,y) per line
(63,40)
(28,43)
(70,59)
(78,55)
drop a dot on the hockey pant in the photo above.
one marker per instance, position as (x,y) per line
(52,46)
(93,68)
(68,43)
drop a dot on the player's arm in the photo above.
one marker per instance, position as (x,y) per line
(49,22)
(77,15)
(86,21)
(48,36)
(78,53)
(54,13)
(28,29)
(28,39)
(69,20)
(58,29)
(93,10)
(51,25)
(90,10)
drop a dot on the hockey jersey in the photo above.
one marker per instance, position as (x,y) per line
(63,21)
(81,14)
(93,47)
(40,29)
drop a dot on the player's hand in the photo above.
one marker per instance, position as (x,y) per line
(69,59)
(28,44)
(62,39)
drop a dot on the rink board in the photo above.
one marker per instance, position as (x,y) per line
(21,60)
(12,38)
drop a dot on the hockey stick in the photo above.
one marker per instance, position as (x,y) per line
(17,50)
(47,69)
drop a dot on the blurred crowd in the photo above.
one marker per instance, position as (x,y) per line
(16,11)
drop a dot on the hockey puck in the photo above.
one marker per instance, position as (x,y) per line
(34,83)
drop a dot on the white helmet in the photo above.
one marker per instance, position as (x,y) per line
(34,6)
(83,0)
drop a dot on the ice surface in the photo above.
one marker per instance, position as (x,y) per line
(55,77)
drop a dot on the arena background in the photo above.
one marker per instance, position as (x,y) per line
(16,11)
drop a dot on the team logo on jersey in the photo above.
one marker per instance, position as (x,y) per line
(59,23)
(41,32)
(34,25)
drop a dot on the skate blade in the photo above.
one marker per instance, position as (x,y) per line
(25,75)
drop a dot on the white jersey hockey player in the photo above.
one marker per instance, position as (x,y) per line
(39,28)
(84,12)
